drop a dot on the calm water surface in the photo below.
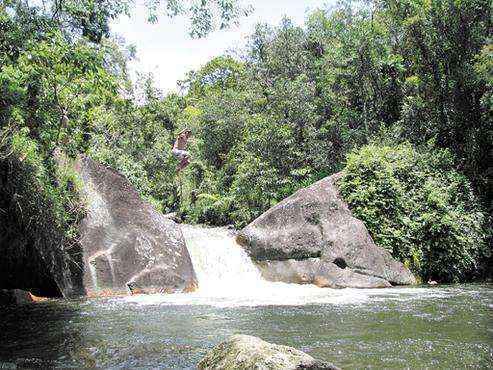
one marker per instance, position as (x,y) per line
(436,328)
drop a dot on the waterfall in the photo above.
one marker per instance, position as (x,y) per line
(227,277)
(221,265)
(94,275)
(226,274)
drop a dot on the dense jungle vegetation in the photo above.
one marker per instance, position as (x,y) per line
(396,93)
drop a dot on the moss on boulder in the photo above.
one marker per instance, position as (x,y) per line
(248,352)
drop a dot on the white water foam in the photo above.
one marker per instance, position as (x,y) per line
(94,275)
(227,278)
(221,265)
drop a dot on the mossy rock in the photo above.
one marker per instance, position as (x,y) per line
(248,352)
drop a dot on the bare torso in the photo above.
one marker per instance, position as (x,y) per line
(181,142)
(179,149)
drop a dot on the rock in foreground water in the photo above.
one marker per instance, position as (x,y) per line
(316,224)
(126,243)
(248,352)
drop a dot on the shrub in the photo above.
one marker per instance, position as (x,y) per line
(417,207)
(210,209)
(39,214)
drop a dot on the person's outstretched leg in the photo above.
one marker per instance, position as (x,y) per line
(183,163)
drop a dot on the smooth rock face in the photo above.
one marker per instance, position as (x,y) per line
(317,272)
(247,352)
(126,243)
(316,224)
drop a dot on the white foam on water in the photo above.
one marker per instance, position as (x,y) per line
(221,265)
(227,277)
(94,275)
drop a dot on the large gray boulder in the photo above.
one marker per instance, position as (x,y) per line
(313,234)
(246,352)
(317,272)
(126,243)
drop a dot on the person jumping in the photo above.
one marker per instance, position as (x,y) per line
(179,149)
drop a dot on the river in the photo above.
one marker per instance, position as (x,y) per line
(438,327)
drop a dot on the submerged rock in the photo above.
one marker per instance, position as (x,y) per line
(126,243)
(313,234)
(248,352)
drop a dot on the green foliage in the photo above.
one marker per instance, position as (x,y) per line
(282,116)
(418,208)
(137,141)
(304,98)
(40,212)
(204,15)
(441,42)
(55,183)
(210,208)
(64,91)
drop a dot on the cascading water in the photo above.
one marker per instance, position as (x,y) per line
(221,265)
(227,277)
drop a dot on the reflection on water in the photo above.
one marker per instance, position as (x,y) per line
(446,327)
